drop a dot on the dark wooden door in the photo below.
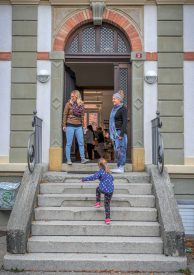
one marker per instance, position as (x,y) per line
(70,83)
(122,81)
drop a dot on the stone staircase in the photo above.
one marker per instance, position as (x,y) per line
(69,234)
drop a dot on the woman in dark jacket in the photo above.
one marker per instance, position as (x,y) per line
(118,130)
(90,141)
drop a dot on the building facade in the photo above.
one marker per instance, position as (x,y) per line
(98,47)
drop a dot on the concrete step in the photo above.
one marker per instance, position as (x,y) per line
(130,177)
(94,228)
(90,167)
(89,200)
(94,263)
(95,244)
(93,214)
(89,188)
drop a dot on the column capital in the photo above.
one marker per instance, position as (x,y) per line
(57,55)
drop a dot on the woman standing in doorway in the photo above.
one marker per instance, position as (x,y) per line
(118,130)
(73,123)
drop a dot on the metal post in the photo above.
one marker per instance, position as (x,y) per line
(37,124)
(157,143)
(155,138)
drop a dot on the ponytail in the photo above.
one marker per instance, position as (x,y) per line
(103,164)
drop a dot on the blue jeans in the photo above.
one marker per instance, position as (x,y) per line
(120,149)
(78,131)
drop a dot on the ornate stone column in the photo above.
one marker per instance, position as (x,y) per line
(57,89)
(137,115)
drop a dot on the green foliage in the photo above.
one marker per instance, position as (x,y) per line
(186,271)
(188,250)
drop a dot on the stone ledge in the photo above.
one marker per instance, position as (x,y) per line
(180,169)
(12,167)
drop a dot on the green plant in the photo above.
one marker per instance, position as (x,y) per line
(186,271)
(188,250)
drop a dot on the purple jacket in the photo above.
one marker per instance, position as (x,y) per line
(106,184)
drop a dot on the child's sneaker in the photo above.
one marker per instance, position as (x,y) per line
(107,221)
(97,204)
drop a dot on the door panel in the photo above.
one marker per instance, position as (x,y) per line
(69,86)
(122,78)
(70,83)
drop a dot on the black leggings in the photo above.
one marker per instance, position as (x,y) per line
(107,199)
(90,148)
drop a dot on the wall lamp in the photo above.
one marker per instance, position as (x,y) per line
(43,76)
(150,77)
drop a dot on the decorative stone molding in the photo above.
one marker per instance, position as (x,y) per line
(57,55)
(137,109)
(97,10)
(85,16)
(57,69)
(24,2)
(122,2)
(60,15)
(135,15)
(138,104)
(108,2)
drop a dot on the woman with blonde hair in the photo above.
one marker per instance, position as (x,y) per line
(73,123)
(106,186)
(118,130)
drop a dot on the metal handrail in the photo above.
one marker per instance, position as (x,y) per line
(34,150)
(157,143)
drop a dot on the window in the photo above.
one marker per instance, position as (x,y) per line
(93,40)
(186,210)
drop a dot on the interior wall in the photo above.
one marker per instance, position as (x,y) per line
(107,104)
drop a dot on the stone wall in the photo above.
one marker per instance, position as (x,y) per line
(23,80)
(170,80)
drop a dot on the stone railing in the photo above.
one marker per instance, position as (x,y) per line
(19,224)
(172,231)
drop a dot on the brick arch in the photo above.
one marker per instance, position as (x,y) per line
(109,16)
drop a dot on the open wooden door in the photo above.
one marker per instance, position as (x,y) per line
(122,81)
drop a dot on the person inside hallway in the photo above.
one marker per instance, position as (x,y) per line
(100,140)
(118,130)
(106,187)
(90,140)
(73,122)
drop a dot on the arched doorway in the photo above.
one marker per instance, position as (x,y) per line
(97,62)
(133,34)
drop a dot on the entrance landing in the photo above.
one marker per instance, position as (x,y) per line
(90,167)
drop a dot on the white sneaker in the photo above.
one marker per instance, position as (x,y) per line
(69,162)
(83,161)
(118,170)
